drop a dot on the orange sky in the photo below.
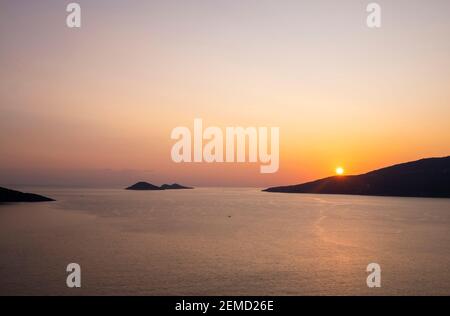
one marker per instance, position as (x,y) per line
(96,106)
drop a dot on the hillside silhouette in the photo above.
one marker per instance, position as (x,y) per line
(422,178)
(7,195)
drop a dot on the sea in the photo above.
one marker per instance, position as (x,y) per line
(223,241)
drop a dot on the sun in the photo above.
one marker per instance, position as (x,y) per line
(340,171)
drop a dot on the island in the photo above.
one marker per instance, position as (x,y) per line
(8,196)
(428,177)
(145,186)
(174,186)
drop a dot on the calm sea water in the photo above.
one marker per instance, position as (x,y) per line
(224,242)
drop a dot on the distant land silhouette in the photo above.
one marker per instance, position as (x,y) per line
(422,178)
(174,186)
(145,186)
(7,195)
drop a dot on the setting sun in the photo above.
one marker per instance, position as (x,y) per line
(339,171)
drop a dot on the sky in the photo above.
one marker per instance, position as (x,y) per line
(95,106)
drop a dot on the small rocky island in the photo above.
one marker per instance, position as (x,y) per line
(422,178)
(8,196)
(174,186)
(145,186)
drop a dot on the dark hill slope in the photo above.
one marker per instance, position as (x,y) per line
(422,178)
(7,195)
